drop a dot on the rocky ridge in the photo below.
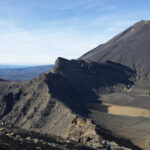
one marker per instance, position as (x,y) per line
(55,102)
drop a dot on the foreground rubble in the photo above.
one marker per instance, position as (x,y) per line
(18,139)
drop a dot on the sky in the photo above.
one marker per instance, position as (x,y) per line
(39,31)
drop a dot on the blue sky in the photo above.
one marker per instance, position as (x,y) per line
(39,31)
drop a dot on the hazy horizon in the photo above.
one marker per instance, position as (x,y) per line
(13,66)
(23,64)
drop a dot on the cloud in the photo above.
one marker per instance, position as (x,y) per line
(44,45)
(37,31)
(41,47)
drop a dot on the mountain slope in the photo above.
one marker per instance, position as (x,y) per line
(77,99)
(71,83)
(56,102)
(130,48)
(128,113)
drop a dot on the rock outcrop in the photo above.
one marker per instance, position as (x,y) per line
(16,139)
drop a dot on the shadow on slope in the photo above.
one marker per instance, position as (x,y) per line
(89,79)
(72,82)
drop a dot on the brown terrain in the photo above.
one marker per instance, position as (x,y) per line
(55,102)
(100,101)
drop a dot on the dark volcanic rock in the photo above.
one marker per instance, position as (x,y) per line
(90,79)
(130,48)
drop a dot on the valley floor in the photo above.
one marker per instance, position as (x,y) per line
(126,115)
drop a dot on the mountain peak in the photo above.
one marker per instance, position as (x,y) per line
(131,48)
(141,24)
(144,22)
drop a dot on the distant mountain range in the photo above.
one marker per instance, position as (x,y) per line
(20,73)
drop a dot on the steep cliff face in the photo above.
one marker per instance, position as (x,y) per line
(91,79)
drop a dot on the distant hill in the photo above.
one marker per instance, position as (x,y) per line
(3,80)
(18,66)
(25,73)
